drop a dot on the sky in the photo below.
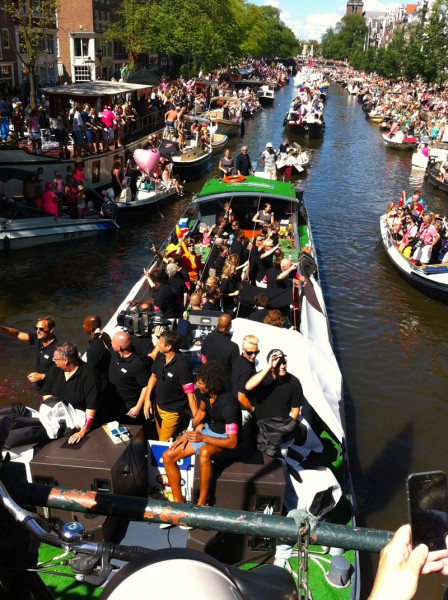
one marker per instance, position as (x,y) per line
(309,19)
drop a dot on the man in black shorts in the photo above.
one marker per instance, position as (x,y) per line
(278,393)
(44,342)
(215,430)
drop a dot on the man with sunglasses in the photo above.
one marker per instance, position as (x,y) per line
(44,342)
(243,370)
(277,392)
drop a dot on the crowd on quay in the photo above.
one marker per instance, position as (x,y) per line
(414,108)
(83,130)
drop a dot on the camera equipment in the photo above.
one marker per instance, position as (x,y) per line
(141,323)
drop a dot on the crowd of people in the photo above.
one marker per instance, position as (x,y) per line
(421,236)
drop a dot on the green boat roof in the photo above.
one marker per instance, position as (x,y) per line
(250,186)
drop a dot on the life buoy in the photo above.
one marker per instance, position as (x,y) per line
(233,178)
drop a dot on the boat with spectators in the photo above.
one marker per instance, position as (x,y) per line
(399,141)
(97,168)
(305,339)
(225,114)
(431,279)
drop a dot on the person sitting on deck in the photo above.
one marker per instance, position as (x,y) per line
(429,237)
(215,430)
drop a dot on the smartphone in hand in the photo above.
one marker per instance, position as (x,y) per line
(427,506)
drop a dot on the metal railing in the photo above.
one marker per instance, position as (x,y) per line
(208,518)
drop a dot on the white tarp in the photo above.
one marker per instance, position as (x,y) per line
(310,358)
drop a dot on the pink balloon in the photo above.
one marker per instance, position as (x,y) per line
(147,160)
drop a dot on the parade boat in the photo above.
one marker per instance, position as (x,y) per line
(399,141)
(310,357)
(292,164)
(266,95)
(97,167)
(310,126)
(25,227)
(150,196)
(252,486)
(431,279)
(231,126)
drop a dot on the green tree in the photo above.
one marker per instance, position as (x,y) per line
(434,47)
(33,18)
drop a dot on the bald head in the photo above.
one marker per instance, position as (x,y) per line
(121,342)
(91,323)
(195,301)
(224,323)
(285,264)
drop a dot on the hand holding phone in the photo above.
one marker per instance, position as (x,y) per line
(427,505)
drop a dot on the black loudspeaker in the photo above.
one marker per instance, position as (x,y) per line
(94,464)
(240,486)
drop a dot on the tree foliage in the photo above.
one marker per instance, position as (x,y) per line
(33,20)
(206,34)
(416,50)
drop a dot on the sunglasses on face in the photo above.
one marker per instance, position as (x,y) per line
(41,329)
(253,353)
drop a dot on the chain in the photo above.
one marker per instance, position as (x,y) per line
(302,567)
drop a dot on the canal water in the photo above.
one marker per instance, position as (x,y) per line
(390,340)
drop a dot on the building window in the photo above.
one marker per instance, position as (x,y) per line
(96,23)
(5,39)
(81,47)
(83,73)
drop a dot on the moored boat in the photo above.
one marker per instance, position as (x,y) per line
(25,227)
(432,175)
(225,114)
(431,279)
(219,142)
(399,141)
(97,168)
(266,95)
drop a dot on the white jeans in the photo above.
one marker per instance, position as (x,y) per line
(423,254)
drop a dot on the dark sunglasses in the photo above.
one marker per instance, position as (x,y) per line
(253,353)
(41,329)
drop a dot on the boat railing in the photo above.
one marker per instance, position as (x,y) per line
(150,123)
(203,517)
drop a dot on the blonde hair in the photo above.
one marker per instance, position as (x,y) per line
(250,340)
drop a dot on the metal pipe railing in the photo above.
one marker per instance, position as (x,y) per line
(202,517)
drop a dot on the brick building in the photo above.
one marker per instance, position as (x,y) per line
(354,6)
(83,53)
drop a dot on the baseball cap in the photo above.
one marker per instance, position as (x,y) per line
(269,145)
(276,351)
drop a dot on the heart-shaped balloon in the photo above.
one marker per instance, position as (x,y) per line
(147,160)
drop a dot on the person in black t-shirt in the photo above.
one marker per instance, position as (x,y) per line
(163,297)
(262,303)
(98,352)
(172,382)
(218,346)
(215,430)
(278,393)
(178,288)
(128,377)
(75,383)
(44,342)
